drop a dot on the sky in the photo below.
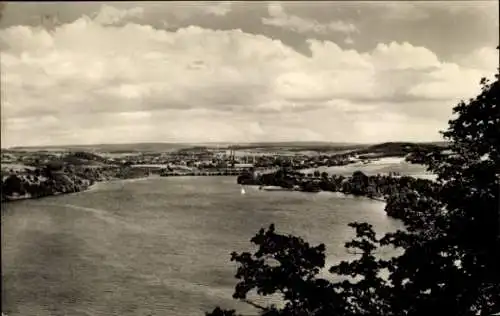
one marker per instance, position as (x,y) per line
(347,71)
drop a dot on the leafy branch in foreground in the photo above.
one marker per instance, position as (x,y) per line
(450,247)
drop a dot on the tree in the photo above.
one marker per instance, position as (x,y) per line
(450,247)
(12,185)
(359,183)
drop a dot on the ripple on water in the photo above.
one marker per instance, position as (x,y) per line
(159,246)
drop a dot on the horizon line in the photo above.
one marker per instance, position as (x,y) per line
(220,142)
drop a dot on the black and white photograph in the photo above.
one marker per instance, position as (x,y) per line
(250,158)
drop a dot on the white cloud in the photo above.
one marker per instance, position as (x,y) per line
(185,10)
(446,81)
(404,56)
(219,9)
(89,82)
(482,58)
(279,18)
(110,15)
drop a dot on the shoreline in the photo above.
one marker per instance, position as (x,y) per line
(380,188)
(97,183)
(378,199)
(88,188)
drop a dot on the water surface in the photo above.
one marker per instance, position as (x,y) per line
(159,246)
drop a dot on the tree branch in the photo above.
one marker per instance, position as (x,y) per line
(255,305)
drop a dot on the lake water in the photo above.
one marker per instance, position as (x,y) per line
(158,246)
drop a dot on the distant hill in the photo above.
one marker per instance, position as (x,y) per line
(112,148)
(164,147)
(401,145)
(301,145)
(168,147)
(399,148)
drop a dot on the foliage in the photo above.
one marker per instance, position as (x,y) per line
(450,247)
(12,184)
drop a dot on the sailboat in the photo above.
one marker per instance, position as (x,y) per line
(243,190)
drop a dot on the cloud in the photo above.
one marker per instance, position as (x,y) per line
(279,18)
(89,81)
(348,40)
(403,10)
(219,9)
(2,8)
(185,10)
(110,15)
(475,7)
(482,58)
(422,10)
